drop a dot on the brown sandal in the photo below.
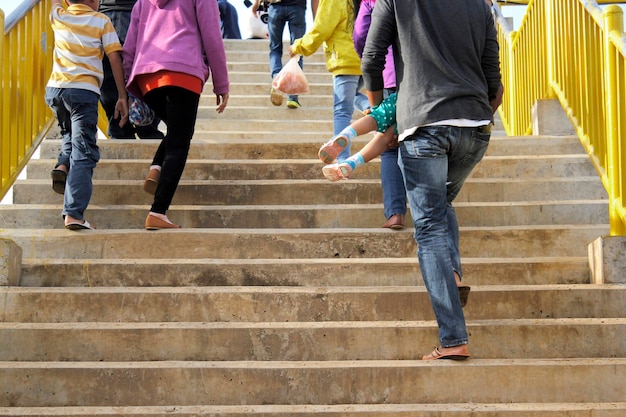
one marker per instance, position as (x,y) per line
(456,353)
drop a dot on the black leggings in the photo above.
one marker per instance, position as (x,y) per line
(178,108)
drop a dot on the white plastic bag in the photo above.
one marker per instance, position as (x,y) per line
(291,79)
(254,28)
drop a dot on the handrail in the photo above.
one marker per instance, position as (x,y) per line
(570,50)
(575,52)
(26,51)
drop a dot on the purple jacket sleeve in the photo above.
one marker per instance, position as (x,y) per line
(209,23)
(362,25)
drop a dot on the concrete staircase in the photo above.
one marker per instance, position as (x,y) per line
(282,296)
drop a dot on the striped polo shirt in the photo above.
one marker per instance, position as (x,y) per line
(81,38)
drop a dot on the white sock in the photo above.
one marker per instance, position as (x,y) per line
(348,132)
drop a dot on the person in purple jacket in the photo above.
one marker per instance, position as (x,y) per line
(394,194)
(167,64)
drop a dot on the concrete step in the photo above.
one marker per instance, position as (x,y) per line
(283,296)
(320,341)
(306,192)
(303,304)
(297,121)
(54,384)
(570,409)
(490,242)
(313,75)
(261,55)
(263,145)
(292,272)
(263,87)
(263,66)
(552,166)
(243,110)
(239,103)
(46,216)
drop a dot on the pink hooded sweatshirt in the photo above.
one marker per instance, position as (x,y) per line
(182,36)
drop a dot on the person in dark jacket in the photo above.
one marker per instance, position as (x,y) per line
(449,86)
(119,13)
(230,20)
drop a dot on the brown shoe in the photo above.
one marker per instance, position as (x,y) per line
(456,353)
(154,223)
(151,181)
(395,222)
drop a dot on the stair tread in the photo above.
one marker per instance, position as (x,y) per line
(325,409)
(543,322)
(277,301)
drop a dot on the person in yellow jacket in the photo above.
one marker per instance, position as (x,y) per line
(332,28)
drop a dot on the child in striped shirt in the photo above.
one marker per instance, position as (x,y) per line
(81,38)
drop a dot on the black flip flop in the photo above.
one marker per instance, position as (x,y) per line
(79,226)
(59,177)
(464,294)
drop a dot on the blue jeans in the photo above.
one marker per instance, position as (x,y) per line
(76,111)
(394,193)
(278,15)
(436,161)
(346,97)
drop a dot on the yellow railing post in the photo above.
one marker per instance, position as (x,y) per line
(613,20)
(509,87)
(5,166)
(26,61)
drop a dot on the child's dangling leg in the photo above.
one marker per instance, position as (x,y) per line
(343,170)
(329,151)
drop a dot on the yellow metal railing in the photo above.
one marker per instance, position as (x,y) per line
(26,50)
(574,51)
(565,49)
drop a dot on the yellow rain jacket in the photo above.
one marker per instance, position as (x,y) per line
(333,27)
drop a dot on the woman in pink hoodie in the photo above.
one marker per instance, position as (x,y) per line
(171,49)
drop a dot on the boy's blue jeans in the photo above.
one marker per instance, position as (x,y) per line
(346,97)
(76,111)
(436,161)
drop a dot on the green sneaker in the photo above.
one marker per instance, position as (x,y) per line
(293,104)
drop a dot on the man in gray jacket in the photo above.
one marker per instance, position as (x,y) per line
(449,86)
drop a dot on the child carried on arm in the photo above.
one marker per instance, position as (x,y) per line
(382,119)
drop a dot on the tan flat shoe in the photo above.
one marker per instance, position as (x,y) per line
(151,181)
(154,223)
